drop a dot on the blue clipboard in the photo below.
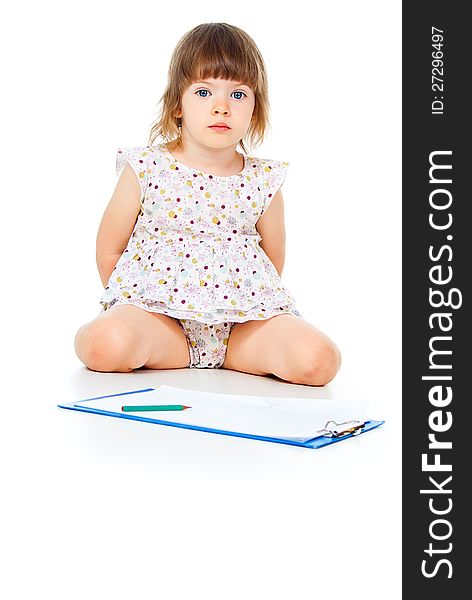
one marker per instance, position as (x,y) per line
(332,432)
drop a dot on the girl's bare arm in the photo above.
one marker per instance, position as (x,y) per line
(117,223)
(271,227)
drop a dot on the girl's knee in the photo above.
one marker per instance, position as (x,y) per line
(320,364)
(104,345)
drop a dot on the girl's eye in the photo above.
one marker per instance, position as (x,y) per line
(241,94)
(203,93)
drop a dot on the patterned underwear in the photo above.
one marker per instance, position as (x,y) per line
(207,344)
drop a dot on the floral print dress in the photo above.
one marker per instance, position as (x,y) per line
(194,251)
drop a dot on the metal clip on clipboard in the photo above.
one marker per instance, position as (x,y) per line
(333,429)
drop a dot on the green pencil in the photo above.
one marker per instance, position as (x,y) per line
(154,407)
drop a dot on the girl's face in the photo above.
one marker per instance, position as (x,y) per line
(205,103)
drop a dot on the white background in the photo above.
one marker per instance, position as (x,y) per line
(105,508)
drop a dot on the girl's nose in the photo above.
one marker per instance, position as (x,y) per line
(220,109)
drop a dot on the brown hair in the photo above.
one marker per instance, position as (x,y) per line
(219,51)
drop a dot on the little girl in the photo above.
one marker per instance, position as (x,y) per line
(187,283)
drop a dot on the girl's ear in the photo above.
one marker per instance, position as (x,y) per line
(178,114)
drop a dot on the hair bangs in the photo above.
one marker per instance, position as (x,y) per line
(221,58)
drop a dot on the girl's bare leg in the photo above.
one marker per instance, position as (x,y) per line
(285,346)
(126,337)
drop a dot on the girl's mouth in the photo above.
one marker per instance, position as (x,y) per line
(220,127)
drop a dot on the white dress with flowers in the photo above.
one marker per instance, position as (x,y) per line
(194,252)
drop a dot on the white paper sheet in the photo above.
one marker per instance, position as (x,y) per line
(299,418)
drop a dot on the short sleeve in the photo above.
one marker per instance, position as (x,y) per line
(137,157)
(274,174)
